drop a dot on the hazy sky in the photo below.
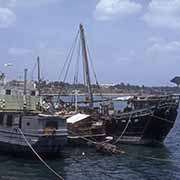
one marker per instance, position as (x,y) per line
(131,41)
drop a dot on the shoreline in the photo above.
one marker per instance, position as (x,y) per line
(95,94)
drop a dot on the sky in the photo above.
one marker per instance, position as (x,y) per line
(131,41)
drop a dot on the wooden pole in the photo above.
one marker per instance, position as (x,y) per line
(25,81)
(86,66)
(39,75)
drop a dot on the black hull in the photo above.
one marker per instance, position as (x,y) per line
(147,127)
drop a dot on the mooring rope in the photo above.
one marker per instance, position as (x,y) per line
(84,138)
(150,158)
(125,128)
(39,157)
(158,159)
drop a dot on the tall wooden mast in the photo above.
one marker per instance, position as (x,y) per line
(86,66)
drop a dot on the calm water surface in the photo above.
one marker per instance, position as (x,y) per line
(136,163)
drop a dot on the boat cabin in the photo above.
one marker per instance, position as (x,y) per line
(32,123)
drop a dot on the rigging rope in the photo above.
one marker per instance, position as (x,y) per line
(84,73)
(76,76)
(92,65)
(70,58)
(67,58)
(94,72)
(76,72)
(67,63)
(39,157)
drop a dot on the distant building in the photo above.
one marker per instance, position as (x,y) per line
(17,88)
(106,85)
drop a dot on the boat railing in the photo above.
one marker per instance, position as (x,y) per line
(144,111)
(138,111)
(18,103)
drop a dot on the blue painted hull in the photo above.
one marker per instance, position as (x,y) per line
(46,146)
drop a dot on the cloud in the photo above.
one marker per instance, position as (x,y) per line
(163,13)
(110,9)
(7,17)
(172,47)
(20,51)
(155,39)
(27,3)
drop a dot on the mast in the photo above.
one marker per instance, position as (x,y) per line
(25,81)
(86,66)
(39,75)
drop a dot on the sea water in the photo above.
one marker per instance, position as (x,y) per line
(138,163)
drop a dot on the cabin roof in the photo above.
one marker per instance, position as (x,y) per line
(76,118)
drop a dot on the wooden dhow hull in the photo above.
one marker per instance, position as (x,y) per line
(146,126)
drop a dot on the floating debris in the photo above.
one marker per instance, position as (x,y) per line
(108,148)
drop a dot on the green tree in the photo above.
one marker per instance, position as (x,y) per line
(176,80)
